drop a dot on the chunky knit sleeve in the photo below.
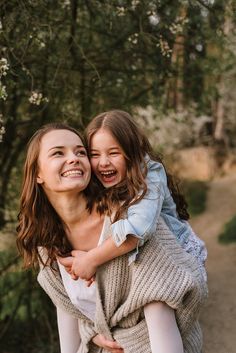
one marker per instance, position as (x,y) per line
(51,282)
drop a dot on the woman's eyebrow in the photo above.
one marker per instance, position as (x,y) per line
(61,147)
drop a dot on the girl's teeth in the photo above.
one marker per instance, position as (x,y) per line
(107,173)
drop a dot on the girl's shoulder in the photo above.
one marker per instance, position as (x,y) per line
(155,170)
(152,164)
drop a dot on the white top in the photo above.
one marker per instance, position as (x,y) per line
(83,297)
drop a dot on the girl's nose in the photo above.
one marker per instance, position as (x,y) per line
(104,161)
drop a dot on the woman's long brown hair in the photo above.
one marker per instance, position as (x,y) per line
(39,224)
(135,146)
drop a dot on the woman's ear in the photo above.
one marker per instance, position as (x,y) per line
(39,180)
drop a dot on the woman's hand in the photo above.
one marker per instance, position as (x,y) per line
(110,346)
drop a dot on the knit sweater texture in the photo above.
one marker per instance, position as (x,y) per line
(163,272)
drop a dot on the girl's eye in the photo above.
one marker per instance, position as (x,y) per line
(94,155)
(114,153)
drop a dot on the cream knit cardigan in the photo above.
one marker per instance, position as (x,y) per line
(162,272)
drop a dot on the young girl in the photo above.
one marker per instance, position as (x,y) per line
(120,159)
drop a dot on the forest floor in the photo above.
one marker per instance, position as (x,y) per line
(218,317)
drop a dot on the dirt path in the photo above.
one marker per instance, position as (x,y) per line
(218,318)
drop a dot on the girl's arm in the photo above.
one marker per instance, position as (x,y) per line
(68,329)
(142,217)
(127,233)
(84,264)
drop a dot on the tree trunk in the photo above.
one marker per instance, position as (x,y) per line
(175,84)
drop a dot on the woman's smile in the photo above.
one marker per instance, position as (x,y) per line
(75,172)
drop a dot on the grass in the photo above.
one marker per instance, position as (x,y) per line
(229,233)
(195,193)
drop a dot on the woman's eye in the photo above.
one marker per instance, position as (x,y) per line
(81,153)
(57,153)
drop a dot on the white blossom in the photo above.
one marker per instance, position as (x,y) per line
(4,67)
(120,11)
(3,91)
(133,38)
(199,47)
(2,128)
(172,130)
(164,46)
(154,19)
(37,98)
(134,3)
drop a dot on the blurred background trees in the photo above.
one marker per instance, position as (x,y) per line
(171,64)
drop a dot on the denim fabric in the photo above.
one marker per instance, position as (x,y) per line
(142,217)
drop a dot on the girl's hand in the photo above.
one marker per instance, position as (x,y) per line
(83,266)
(66,262)
(110,346)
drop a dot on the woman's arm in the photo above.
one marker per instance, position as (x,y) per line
(68,329)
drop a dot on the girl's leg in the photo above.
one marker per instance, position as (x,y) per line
(68,329)
(163,331)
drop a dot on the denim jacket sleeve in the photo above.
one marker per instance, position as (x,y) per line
(142,217)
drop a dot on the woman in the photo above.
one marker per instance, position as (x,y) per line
(57,214)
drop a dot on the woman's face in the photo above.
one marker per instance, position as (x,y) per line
(107,158)
(63,164)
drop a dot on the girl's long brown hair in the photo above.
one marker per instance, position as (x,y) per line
(135,146)
(39,224)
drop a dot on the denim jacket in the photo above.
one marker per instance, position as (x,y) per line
(142,217)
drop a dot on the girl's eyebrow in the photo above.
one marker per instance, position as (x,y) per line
(109,148)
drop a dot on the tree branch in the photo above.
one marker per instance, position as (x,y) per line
(202,3)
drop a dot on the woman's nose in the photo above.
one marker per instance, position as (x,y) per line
(72,158)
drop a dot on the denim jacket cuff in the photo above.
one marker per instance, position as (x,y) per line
(121,229)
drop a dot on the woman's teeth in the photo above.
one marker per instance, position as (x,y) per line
(72,172)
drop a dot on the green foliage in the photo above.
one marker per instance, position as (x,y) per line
(229,233)
(27,317)
(196,196)
(69,60)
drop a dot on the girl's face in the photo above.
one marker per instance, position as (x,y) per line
(63,164)
(107,158)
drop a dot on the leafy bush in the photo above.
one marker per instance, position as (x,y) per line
(27,316)
(196,195)
(229,233)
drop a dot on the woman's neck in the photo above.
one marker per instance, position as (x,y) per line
(71,207)
(83,227)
